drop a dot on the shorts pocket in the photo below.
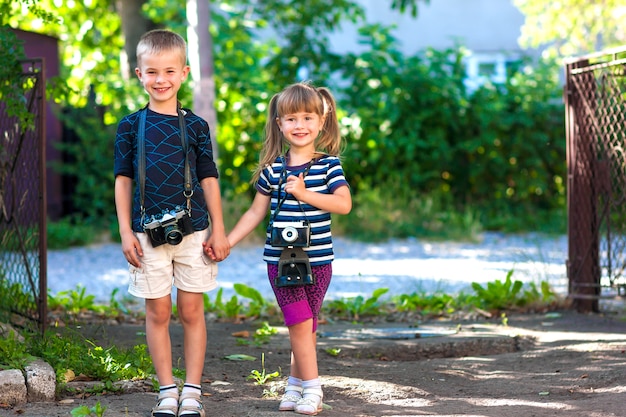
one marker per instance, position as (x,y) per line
(136,273)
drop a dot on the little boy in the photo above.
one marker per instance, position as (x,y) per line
(165,223)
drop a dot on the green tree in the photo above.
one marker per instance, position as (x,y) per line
(572,27)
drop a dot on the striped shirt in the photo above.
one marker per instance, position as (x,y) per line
(324,176)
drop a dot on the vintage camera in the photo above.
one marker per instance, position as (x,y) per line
(294,268)
(168,227)
(291,234)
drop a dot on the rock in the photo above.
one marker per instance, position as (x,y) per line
(6,330)
(40,381)
(12,387)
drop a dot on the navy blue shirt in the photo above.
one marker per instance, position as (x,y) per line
(165,164)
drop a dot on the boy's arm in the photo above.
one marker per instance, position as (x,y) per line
(250,219)
(123,205)
(216,246)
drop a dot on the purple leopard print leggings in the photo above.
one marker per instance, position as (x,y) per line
(304,302)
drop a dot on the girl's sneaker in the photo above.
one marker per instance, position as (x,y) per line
(292,395)
(311,402)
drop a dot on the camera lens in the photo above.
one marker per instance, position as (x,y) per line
(173,236)
(289,234)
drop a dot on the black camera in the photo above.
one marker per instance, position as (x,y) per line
(294,268)
(168,227)
(291,234)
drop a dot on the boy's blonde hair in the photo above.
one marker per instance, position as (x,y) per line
(158,41)
(300,97)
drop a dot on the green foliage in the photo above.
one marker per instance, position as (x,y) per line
(357,307)
(257,304)
(13,353)
(229,309)
(73,301)
(89,166)
(12,87)
(69,232)
(496,152)
(378,215)
(463,160)
(84,411)
(262,377)
(436,304)
(71,354)
(508,294)
(498,295)
(262,335)
(572,27)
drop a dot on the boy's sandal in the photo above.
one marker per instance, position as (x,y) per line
(311,402)
(197,410)
(161,410)
(289,400)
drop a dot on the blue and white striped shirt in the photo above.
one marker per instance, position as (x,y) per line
(324,176)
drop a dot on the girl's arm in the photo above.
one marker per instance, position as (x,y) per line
(250,219)
(217,241)
(339,202)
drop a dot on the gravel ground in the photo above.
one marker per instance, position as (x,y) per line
(403,266)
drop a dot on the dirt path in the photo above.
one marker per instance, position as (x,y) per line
(559,365)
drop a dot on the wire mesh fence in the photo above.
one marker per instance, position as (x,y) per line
(595,97)
(23,293)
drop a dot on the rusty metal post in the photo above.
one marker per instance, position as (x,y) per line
(583,245)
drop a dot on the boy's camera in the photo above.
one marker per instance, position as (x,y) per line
(290,234)
(294,268)
(168,227)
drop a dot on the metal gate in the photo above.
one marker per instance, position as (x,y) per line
(595,102)
(23,293)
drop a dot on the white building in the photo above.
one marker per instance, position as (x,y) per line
(489,29)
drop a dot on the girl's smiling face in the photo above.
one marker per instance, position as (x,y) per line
(161,76)
(300,129)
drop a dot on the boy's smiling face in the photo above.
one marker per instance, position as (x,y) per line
(161,76)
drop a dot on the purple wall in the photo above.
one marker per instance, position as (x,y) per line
(46,47)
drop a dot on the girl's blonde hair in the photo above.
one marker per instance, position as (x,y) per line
(300,97)
(158,41)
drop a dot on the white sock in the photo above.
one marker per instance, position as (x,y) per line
(312,383)
(191,402)
(292,380)
(295,382)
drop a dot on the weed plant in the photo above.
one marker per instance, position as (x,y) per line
(71,354)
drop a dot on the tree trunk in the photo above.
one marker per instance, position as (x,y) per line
(200,52)
(134,24)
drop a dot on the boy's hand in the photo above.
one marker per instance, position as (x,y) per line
(216,247)
(131,249)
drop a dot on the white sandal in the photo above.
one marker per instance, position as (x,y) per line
(310,403)
(161,410)
(289,400)
(197,409)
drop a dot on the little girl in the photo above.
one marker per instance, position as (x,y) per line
(300,178)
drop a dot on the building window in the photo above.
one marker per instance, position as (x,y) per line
(483,68)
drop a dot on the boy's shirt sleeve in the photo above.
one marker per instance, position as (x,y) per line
(205,164)
(124,150)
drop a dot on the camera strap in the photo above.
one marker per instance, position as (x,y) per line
(141,163)
(281,181)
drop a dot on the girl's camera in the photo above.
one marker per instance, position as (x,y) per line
(290,234)
(168,227)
